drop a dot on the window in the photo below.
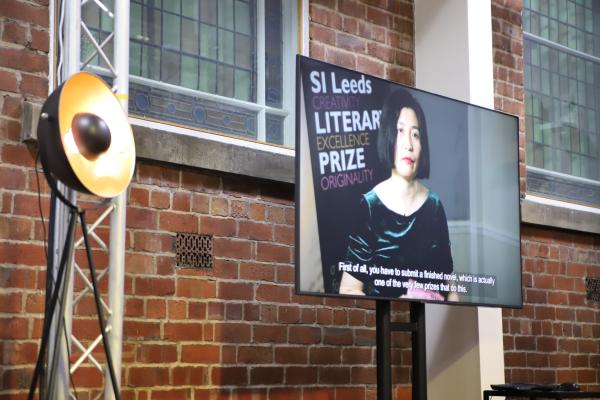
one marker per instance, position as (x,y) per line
(562,98)
(215,65)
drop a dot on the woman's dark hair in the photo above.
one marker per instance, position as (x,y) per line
(386,139)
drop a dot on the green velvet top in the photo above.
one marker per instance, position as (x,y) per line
(390,240)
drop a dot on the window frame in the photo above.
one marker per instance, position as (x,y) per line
(196,147)
(549,198)
(291,17)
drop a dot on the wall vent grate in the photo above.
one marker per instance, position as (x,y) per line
(592,288)
(194,251)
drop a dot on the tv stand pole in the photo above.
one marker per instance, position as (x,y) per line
(384,328)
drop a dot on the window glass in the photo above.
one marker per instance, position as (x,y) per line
(562,81)
(196,63)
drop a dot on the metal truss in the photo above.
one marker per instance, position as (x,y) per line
(70,30)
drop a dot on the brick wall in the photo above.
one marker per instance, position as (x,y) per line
(370,36)
(554,337)
(23,71)
(239,330)
(233,332)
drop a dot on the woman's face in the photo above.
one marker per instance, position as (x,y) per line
(408,144)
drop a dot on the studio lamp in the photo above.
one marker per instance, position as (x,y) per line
(86,143)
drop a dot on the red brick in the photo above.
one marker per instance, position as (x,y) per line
(230,248)
(235,291)
(256,271)
(181,201)
(188,331)
(197,310)
(232,333)
(257,212)
(229,376)
(273,293)
(8,81)
(24,12)
(357,356)
(35,303)
(251,312)
(269,333)
(198,182)
(33,85)
(215,311)
(139,329)
(255,354)
(200,354)
(140,218)
(284,234)
(273,252)
(255,231)
(225,269)
(40,40)
(148,376)
(339,336)
(138,197)
(195,288)
(134,308)
(291,355)
(12,106)
(358,393)
(15,228)
(12,178)
(219,207)
(400,74)
(177,309)
(363,337)
(335,375)
(11,302)
(153,242)
(322,34)
(177,222)
(349,42)
(352,8)
(22,253)
(157,353)
(157,175)
(323,16)
(139,263)
(370,66)
(160,199)
(288,315)
(200,203)
(14,32)
(285,274)
(325,355)
(187,376)
(266,375)
(305,335)
(218,226)
(301,376)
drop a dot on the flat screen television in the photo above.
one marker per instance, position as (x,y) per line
(403,194)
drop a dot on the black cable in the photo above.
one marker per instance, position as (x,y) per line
(39,196)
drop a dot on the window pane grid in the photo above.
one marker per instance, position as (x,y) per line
(562,102)
(205,45)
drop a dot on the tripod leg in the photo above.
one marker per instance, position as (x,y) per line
(60,329)
(99,306)
(52,304)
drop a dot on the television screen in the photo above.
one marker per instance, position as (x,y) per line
(403,194)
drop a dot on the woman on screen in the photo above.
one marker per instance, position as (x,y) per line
(402,224)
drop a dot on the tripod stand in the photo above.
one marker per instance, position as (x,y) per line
(58,291)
